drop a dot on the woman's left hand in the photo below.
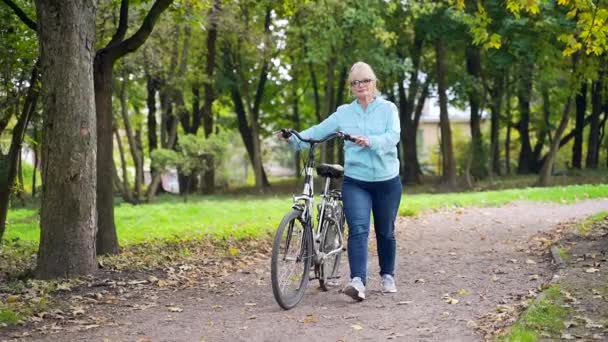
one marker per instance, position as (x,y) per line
(361,140)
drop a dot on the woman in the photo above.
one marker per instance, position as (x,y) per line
(371,179)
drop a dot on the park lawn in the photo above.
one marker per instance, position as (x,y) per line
(243,216)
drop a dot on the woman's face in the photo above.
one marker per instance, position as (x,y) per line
(362,85)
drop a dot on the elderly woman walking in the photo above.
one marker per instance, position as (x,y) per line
(371,183)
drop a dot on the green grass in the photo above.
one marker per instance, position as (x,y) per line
(8,316)
(544,317)
(563,253)
(585,227)
(414,204)
(254,216)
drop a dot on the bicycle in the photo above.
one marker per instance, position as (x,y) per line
(297,244)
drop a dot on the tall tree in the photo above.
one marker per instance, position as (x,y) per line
(598,93)
(209,88)
(68,217)
(579,119)
(107,241)
(448,164)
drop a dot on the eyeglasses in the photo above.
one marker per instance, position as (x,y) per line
(355,83)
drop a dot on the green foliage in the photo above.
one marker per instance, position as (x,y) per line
(560,194)
(191,154)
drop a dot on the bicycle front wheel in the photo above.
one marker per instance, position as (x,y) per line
(290,263)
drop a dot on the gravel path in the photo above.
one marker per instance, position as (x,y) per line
(452,268)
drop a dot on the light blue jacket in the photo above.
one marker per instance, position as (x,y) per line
(379,123)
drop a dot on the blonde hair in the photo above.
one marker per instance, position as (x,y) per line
(365,69)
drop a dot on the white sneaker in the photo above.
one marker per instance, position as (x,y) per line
(388,284)
(355,289)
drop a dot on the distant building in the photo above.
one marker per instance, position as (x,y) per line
(428,136)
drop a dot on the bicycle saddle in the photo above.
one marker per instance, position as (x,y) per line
(330,170)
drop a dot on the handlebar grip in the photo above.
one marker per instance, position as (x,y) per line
(286,133)
(348,137)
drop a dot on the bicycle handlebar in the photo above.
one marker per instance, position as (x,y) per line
(287,132)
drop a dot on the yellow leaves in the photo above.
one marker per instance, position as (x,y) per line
(459,4)
(233,251)
(572,44)
(563,2)
(494,42)
(516,6)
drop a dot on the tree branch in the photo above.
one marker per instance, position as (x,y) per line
(139,37)
(123,22)
(19,12)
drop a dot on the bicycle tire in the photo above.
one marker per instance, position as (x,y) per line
(292,247)
(329,267)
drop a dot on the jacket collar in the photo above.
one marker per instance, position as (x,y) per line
(370,107)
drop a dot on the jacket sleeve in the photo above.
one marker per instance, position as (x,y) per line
(385,142)
(323,129)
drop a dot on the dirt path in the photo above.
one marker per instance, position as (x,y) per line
(453,267)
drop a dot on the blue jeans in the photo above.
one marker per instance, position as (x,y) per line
(360,199)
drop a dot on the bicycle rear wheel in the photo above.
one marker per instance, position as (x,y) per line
(290,263)
(330,266)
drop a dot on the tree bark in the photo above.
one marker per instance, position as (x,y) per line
(545,172)
(151,87)
(508,115)
(526,159)
(125,188)
(496,108)
(68,217)
(410,166)
(581,108)
(478,160)
(448,176)
(207,112)
(328,147)
(593,145)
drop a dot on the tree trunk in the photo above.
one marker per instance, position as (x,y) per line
(410,165)
(127,194)
(545,172)
(207,112)
(107,241)
(526,159)
(246,133)
(68,217)
(328,147)
(136,153)
(315,90)
(581,108)
(7,183)
(296,118)
(151,86)
(448,176)
(544,129)
(593,146)
(509,116)
(496,107)
(478,160)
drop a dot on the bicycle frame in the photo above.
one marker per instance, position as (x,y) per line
(305,202)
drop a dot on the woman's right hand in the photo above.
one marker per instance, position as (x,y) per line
(283,134)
